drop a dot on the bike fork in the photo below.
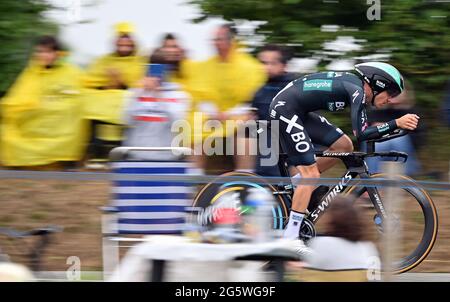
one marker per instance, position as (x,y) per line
(381,215)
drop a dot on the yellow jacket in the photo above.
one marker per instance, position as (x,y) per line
(186,74)
(227,84)
(107,105)
(132,69)
(42,117)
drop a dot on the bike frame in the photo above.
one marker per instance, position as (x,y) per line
(356,167)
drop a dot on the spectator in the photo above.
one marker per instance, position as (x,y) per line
(181,68)
(342,254)
(226,82)
(42,117)
(152,110)
(274,59)
(397,107)
(108,78)
(121,69)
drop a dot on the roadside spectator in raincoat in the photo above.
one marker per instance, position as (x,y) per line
(221,90)
(108,79)
(42,113)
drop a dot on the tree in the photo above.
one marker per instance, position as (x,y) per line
(413,32)
(20,23)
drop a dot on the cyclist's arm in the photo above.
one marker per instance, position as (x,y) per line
(360,124)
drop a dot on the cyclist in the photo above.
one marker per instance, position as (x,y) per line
(374,83)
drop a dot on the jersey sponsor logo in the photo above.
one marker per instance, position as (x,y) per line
(333,74)
(323,85)
(340,105)
(363,118)
(355,95)
(298,137)
(279,104)
(383,128)
(331,106)
(273,113)
(291,123)
(324,120)
(380,84)
(301,145)
(336,106)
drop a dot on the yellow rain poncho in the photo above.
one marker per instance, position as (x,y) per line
(42,117)
(226,84)
(131,69)
(107,105)
(188,70)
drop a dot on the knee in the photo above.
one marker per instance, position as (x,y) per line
(343,144)
(310,171)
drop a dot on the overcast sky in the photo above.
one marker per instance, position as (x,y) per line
(152,18)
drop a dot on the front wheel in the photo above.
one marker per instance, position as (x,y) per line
(416,223)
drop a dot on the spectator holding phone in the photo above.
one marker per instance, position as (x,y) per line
(152,109)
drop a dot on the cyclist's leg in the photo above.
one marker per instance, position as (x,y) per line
(298,146)
(322,132)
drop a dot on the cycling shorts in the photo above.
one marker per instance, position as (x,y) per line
(299,131)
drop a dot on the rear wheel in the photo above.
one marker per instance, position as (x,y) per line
(415,224)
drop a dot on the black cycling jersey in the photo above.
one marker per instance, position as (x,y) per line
(333,91)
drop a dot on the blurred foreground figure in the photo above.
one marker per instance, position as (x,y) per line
(225,84)
(341,255)
(42,118)
(11,272)
(152,110)
(108,79)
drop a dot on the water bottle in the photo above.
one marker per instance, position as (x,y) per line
(257,212)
